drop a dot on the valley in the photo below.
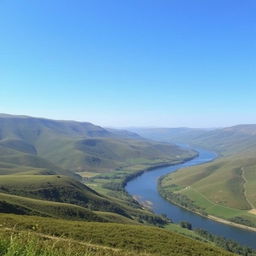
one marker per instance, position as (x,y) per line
(59,177)
(224,188)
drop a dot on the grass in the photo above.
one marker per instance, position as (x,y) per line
(57,188)
(183,231)
(127,238)
(31,244)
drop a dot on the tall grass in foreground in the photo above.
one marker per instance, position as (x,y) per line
(28,244)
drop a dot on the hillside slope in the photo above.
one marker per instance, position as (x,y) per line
(76,146)
(58,189)
(225,141)
(224,188)
(124,240)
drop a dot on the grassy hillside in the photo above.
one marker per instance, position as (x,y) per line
(59,189)
(27,206)
(75,146)
(32,189)
(105,238)
(231,140)
(224,188)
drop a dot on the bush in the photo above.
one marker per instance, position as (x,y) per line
(185,224)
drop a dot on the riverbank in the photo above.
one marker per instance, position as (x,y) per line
(135,174)
(214,218)
(231,223)
(181,188)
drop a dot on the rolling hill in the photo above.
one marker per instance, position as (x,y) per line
(39,159)
(226,141)
(74,146)
(230,140)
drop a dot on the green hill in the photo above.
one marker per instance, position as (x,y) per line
(231,140)
(226,141)
(27,206)
(40,189)
(59,189)
(75,146)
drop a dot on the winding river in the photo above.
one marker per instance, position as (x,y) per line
(144,189)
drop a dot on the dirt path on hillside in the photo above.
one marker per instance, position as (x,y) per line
(245,192)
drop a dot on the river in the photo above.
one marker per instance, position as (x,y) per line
(144,189)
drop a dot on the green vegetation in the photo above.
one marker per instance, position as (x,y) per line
(122,239)
(57,188)
(185,224)
(64,197)
(216,188)
(226,244)
(28,206)
(204,236)
(31,244)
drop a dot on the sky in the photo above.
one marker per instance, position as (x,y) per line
(123,63)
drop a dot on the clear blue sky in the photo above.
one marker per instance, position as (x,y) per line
(130,62)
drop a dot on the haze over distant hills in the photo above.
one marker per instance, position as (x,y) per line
(235,139)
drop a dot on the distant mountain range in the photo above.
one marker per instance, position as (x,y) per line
(235,139)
